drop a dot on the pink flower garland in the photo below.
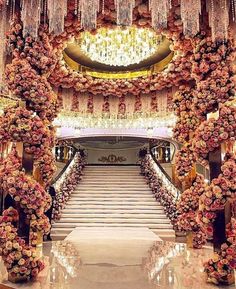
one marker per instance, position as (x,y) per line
(220,268)
(213,73)
(161,193)
(184,161)
(20,259)
(217,193)
(210,134)
(187,208)
(73,177)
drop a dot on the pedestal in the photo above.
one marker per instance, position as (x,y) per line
(189,239)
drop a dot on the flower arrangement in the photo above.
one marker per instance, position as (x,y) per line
(20,259)
(18,124)
(184,161)
(211,133)
(187,120)
(213,73)
(218,192)
(187,208)
(162,193)
(66,184)
(26,77)
(25,82)
(220,268)
(106,105)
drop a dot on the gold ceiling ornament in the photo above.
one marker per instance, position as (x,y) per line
(119,75)
(119,46)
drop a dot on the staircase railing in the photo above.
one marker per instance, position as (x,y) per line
(165,177)
(65,167)
(160,167)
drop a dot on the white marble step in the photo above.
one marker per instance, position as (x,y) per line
(63,225)
(112,199)
(125,177)
(112,182)
(115,194)
(64,220)
(118,206)
(113,203)
(76,215)
(123,190)
(106,210)
(113,168)
(113,186)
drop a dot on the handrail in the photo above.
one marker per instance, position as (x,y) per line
(165,174)
(160,166)
(65,167)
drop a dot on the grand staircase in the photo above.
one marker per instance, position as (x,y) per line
(113,196)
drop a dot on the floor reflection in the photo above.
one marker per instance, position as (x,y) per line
(161,265)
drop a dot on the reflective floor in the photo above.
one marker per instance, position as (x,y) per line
(119,264)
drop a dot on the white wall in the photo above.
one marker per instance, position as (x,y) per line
(129,156)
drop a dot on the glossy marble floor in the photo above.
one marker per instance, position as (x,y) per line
(119,261)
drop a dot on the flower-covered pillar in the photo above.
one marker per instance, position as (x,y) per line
(215,89)
(192,183)
(30,126)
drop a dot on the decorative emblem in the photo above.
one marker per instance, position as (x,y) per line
(112,159)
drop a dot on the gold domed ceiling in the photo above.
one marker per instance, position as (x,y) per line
(117,51)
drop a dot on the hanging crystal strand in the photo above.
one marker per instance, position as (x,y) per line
(124,10)
(233,9)
(30,16)
(103,6)
(190,12)
(159,12)
(3,22)
(57,10)
(88,10)
(219,19)
(76,7)
(45,12)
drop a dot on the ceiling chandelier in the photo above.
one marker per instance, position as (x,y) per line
(139,121)
(120,46)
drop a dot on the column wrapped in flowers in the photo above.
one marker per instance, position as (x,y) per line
(187,208)
(30,125)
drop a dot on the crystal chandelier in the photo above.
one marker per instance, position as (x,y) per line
(124,9)
(218,11)
(119,47)
(3,23)
(57,11)
(30,16)
(190,12)
(88,10)
(159,12)
(88,120)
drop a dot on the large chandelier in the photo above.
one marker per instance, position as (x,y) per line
(120,46)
